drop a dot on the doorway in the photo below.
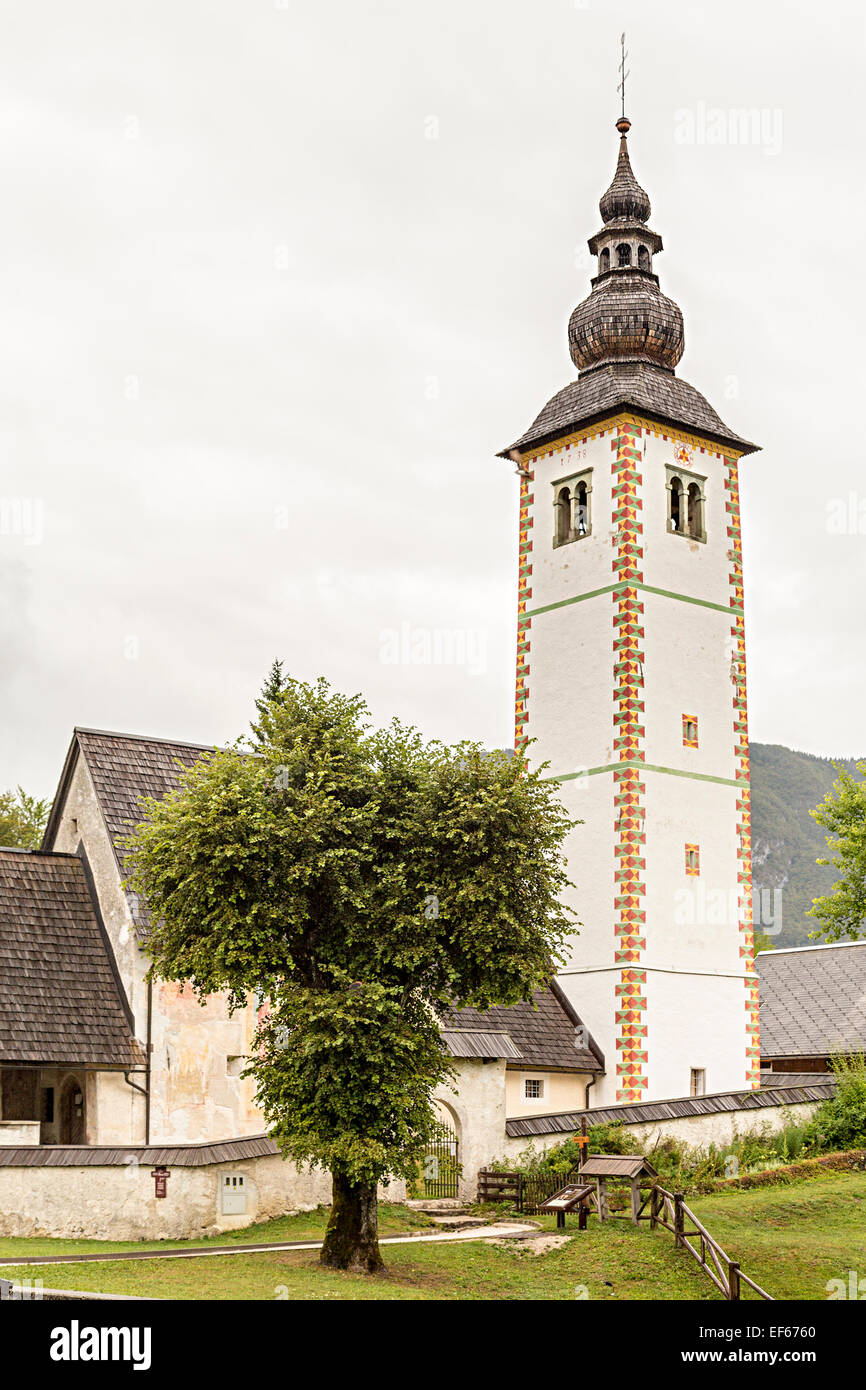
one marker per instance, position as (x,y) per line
(72,1128)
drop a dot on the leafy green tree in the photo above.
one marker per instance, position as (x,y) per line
(764,942)
(360,881)
(842,814)
(22,819)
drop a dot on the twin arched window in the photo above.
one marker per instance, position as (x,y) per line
(686,507)
(623,254)
(571,505)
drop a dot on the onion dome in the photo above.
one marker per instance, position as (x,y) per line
(625,197)
(627,318)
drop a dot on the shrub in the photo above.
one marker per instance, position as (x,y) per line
(840,1122)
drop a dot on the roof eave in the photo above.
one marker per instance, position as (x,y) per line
(57,804)
(516,452)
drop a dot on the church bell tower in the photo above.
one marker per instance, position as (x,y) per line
(631,679)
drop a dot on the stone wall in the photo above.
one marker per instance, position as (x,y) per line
(117,1201)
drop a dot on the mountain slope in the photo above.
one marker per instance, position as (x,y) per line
(786,841)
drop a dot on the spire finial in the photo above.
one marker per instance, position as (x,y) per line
(623,74)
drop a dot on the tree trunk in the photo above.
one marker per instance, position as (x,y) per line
(352,1237)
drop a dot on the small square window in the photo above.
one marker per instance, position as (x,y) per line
(533,1089)
(693,860)
(698,1082)
(690,731)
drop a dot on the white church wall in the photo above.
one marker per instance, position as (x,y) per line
(683,663)
(196,1093)
(561,1091)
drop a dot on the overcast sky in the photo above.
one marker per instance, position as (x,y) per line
(277,280)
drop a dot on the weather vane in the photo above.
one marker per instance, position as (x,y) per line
(622,72)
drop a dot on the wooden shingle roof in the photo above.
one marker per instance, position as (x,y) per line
(641,386)
(124,768)
(61,1001)
(722,1102)
(543,1032)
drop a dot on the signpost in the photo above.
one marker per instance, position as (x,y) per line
(572,1198)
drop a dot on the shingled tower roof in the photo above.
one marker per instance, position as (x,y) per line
(626,338)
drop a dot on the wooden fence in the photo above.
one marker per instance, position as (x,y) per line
(668,1209)
(525,1193)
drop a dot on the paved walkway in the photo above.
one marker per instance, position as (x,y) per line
(497,1232)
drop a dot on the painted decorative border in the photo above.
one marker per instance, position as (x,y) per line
(524,621)
(629,785)
(741,761)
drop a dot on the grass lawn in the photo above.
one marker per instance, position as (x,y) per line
(394,1219)
(790,1238)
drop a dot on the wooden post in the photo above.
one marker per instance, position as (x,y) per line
(601,1198)
(734,1281)
(635,1200)
(679,1219)
(655,1205)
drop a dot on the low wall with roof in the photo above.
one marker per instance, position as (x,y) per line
(110,1194)
(695,1120)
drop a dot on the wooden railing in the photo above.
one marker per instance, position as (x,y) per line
(525,1192)
(668,1209)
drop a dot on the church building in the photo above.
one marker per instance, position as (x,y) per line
(631,689)
(631,678)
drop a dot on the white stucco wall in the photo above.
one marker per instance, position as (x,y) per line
(695,1014)
(118,1203)
(194,1096)
(562,1091)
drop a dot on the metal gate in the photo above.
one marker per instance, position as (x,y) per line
(441,1163)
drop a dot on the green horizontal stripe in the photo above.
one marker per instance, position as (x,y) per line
(735,609)
(650,767)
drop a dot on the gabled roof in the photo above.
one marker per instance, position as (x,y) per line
(542,1032)
(124,768)
(648,389)
(60,998)
(813,1000)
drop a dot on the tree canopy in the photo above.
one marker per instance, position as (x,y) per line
(842,813)
(360,881)
(22,819)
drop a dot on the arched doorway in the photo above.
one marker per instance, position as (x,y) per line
(72,1129)
(442,1160)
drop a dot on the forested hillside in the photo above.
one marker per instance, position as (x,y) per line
(786,841)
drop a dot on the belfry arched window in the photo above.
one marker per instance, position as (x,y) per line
(643,260)
(695,512)
(676,504)
(623,254)
(581,509)
(563,516)
(686,503)
(604,261)
(572,501)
